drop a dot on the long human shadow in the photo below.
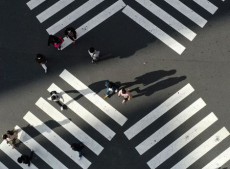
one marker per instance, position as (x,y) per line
(158,86)
(149,78)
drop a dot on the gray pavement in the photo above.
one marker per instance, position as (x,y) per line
(134,54)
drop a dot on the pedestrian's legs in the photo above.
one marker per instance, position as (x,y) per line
(44,67)
(31,157)
(60,104)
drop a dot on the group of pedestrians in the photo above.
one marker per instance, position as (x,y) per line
(112,88)
(57,42)
(11,138)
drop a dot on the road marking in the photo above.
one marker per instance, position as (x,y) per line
(154,30)
(182,141)
(93,97)
(56,140)
(170,126)
(84,114)
(34,3)
(2,166)
(68,19)
(202,149)
(159,111)
(207,5)
(220,160)
(95,21)
(189,13)
(14,154)
(53,10)
(170,20)
(39,150)
(69,126)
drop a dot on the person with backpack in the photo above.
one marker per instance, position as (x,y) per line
(71,33)
(111,88)
(78,147)
(25,159)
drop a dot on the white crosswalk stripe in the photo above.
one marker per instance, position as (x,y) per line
(170,126)
(207,5)
(189,13)
(2,166)
(34,3)
(182,141)
(184,138)
(14,154)
(69,126)
(154,30)
(84,114)
(39,150)
(167,18)
(219,160)
(129,11)
(159,111)
(95,21)
(93,97)
(56,139)
(202,149)
(53,9)
(77,13)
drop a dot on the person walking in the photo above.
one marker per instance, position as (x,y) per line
(56,97)
(11,137)
(78,147)
(71,33)
(95,54)
(111,88)
(41,59)
(25,159)
(55,41)
(125,94)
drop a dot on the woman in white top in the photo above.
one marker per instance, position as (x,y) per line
(94,54)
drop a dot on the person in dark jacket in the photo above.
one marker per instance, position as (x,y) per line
(111,88)
(41,59)
(78,147)
(71,33)
(25,159)
(55,41)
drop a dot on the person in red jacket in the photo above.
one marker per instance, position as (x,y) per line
(55,41)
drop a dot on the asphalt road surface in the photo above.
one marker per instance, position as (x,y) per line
(173,56)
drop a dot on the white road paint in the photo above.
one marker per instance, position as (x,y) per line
(34,3)
(56,140)
(154,30)
(170,126)
(55,8)
(207,5)
(182,141)
(93,97)
(69,126)
(167,18)
(159,111)
(83,113)
(202,149)
(186,11)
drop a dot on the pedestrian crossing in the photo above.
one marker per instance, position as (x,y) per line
(100,128)
(170,150)
(129,10)
(73,129)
